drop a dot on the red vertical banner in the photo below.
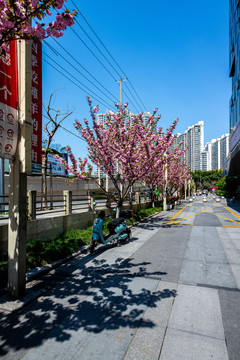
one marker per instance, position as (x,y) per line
(8,103)
(37,103)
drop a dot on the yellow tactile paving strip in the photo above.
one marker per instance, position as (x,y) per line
(172,221)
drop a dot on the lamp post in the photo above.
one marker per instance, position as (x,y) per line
(164,187)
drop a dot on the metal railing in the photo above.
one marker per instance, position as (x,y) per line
(51,202)
(66,203)
(80,202)
(4,206)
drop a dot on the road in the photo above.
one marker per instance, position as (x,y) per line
(171,293)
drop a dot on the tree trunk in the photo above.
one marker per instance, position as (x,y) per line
(44,173)
(152,198)
(119,205)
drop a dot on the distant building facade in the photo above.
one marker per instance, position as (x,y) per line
(204,160)
(215,154)
(193,139)
(207,157)
(102,118)
(234,73)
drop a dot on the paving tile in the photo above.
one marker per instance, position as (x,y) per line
(109,316)
(181,345)
(230,306)
(147,342)
(219,274)
(197,310)
(193,272)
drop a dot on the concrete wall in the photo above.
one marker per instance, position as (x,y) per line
(78,187)
(48,227)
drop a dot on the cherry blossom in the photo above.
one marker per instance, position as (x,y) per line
(17,16)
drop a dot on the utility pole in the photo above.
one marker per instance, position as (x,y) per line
(121,81)
(18,168)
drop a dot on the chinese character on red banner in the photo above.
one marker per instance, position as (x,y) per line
(8,103)
(37,102)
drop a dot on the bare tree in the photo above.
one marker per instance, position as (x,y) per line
(54,119)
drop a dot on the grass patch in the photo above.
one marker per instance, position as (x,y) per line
(42,252)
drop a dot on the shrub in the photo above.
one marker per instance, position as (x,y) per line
(42,252)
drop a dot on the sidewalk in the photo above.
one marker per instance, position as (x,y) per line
(137,301)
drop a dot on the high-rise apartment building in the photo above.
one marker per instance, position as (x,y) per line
(181,138)
(234,73)
(207,157)
(102,118)
(205,160)
(215,154)
(193,139)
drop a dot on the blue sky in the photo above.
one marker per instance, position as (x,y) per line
(174,53)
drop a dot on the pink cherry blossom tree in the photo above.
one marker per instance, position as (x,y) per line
(160,154)
(119,148)
(26,20)
(178,173)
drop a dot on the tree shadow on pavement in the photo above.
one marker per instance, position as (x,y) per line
(83,295)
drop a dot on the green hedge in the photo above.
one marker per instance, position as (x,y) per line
(42,252)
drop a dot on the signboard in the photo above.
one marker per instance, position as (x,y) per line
(57,166)
(8,103)
(37,102)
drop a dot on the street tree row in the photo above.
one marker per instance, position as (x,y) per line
(129,150)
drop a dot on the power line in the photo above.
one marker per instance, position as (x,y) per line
(90,50)
(89,37)
(74,77)
(93,53)
(98,38)
(80,81)
(137,95)
(133,96)
(63,74)
(99,62)
(107,51)
(130,101)
(74,67)
(58,54)
(96,58)
(72,133)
